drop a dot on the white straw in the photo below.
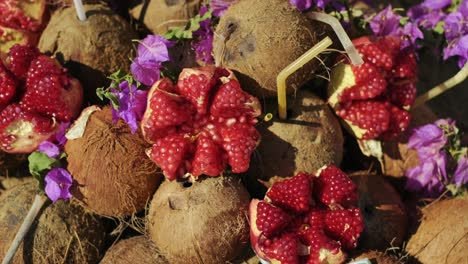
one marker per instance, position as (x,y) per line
(80,10)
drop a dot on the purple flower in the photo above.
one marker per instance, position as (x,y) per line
(58,182)
(436,4)
(427,140)
(203,39)
(456,34)
(219,7)
(409,34)
(322,3)
(60,135)
(50,149)
(425,17)
(385,23)
(428,175)
(460,176)
(132,104)
(152,51)
(302,5)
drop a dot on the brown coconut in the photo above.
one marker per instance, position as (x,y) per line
(203,222)
(257,44)
(376,257)
(383,211)
(9,162)
(310,138)
(442,236)
(161,15)
(137,249)
(112,174)
(62,232)
(397,158)
(91,50)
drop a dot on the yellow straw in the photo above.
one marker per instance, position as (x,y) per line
(293,67)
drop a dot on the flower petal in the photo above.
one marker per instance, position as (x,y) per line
(460,176)
(50,149)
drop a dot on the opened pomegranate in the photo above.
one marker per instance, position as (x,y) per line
(200,124)
(307,219)
(20,22)
(36,96)
(373,98)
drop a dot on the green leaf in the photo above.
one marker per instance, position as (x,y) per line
(439,28)
(100,92)
(186,32)
(39,163)
(113,99)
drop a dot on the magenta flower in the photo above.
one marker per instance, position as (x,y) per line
(460,177)
(428,140)
(132,104)
(385,23)
(203,39)
(456,34)
(50,149)
(58,182)
(425,17)
(60,135)
(409,34)
(436,4)
(428,176)
(302,5)
(219,7)
(152,51)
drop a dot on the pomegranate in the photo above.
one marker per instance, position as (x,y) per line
(373,98)
(200,124)
(36,96)
(307,219)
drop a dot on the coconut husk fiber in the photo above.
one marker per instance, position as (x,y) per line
(137,249)
(257,44)
(442,236)
(112,174)
(62,232)
(90,50)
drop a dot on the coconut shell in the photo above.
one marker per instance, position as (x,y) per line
(90,50)
(62,232)
(397,158)
(257,44)
(376,257)
(10,162)
(383,211)
(161,15)
(203,222)
(310,138)
(137,249)
(112,174)
(442,236)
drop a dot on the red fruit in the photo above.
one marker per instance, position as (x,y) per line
(271,219)
(7,86)
(292,194)
(185,109)
(169,153)
(364,96)
(333,186)
(209,158)
(231,101)
(165,110)
(19,58)
(239,141)
(316,218)
(345,225)
(399,122)
(22,131)
(19,14)
(50,91)
(368,119)
(283,249)
(321,247)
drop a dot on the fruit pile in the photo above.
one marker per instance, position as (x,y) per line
(201,124)
(311,217)
(37,96)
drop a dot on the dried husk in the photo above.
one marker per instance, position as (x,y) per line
(137,249)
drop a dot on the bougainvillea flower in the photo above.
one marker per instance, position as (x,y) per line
(50,149)
(427,140)
(132,104)
(58,182)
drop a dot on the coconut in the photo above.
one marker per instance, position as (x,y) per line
(376,257)
(397,158)
(137,249)
(203,222)
(92,49)
(112,174)
(384,213)
(310,138)
(257,44)
(161,15)
(62,232)
(10,162)
(442,235)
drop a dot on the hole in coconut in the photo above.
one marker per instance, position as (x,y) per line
(171,2)
(187,184)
